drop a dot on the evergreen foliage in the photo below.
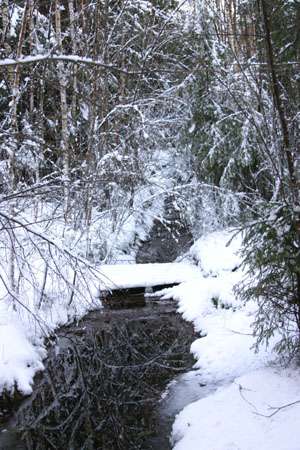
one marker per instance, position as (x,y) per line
(272,258)
(245,137)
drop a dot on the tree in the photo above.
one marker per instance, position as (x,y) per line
(275,264)
(91,91)
(245,140)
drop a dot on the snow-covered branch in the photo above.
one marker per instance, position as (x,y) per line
(75,59)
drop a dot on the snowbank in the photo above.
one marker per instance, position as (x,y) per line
(23,333)
(233,417)
(217,252)
(239,417)
(19,359)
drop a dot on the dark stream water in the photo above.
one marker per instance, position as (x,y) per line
(103,383)
(104,376)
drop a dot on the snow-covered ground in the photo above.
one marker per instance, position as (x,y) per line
(256,403)
(239,416)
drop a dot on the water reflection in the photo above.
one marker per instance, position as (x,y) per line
(103,382)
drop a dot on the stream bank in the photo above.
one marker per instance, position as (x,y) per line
(103,381)
(105,376)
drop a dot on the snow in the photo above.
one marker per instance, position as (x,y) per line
(241,386)
(19,359)
(48,294)
(233,418)
(216,252)
(124,276)
(76,59)
(251,383)
(225,330)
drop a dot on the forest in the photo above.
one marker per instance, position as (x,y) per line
(110,108)
(95,95)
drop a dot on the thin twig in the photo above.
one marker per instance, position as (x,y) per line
(277,409)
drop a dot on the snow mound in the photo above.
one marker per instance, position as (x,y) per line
(239,417)
(217,251)
(19,359)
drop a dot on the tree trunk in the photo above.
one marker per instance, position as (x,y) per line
(15,79)
(286,150)
(74,51)
(62,79)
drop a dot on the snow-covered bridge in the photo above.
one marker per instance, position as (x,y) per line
(128,276)
(126,282)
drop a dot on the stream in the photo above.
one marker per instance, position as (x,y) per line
(104,381)
(116,379)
